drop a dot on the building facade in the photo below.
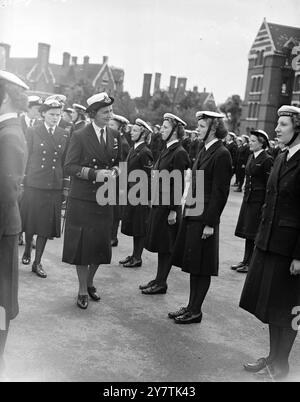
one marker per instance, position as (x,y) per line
(273,76)
(43,76)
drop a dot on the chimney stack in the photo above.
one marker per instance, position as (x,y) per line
(86,60)
(157,82)
(172,84)
(74,60)
(146,87)
(195,89)
(66,59)
(204,90)
(4,55)
(105,59)
(43,54)
(181,83)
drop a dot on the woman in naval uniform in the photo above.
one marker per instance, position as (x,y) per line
(272,288)
(78,117)
(119,123)
(135,217)
(197,245)
(164,219)
(258,169)
(92,158)
(43,184)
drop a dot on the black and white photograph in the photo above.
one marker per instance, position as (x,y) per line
(149,194)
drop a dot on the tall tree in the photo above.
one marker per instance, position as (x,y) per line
(233,111)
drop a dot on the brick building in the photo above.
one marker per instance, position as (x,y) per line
(273,76)
(43,76)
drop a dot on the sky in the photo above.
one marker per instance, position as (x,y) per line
(207,41)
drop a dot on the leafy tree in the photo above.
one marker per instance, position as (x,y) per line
(233,111)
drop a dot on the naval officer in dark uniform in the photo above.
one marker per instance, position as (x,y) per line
(164,219)
(43,184)
(272,287)
(196,249)
(258,170)
(13,153)
(32,116)
(78,117)
(135,217)
(92,158)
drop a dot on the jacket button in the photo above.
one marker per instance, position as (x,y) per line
(53,167)
(42,166)
(44,152)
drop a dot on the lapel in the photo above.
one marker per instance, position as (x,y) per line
(44,134)
(204,156)
(276,170)
(290,165)
(167,151)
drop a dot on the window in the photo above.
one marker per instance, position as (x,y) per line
(260,58)
(253,110)
(253,86)
(297,83)
(250,110)
(256,84)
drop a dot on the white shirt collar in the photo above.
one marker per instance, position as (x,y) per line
(211,143)
(27,120)
(48,127)
(138,144)
(8,116)
(293,150)
(257,153)
(171,143)
(98,131)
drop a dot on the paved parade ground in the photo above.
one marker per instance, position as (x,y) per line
(127,336)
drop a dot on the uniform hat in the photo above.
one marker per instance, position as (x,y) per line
(261,133)
(57,97)
(99,101)
(203,114)
(120,119)
(287,110)
(50,104)
(69,110)
(157,126)
(232,134)
(170,116)
(79,107)
(142,123)
(34,100)
(12,79)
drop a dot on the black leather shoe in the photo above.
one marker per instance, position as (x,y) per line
(38,270)
(92,291)
(26,260)
(127,259)
(21,240)
(274,373)
(83,301)
(155,290)
(236,266)
(114,243)
(188,318)
(256,366)
(148,285)
(133,263)
(178,313)
(243,270)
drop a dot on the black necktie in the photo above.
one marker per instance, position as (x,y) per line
(102,141)
(51,131)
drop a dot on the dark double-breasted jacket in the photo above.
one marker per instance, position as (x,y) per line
(217,166)
(85,151)
(46,155)
(13,154)
(279,231)
(233,149)
(173,158)
(257,175)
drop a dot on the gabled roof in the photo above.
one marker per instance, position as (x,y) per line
(274,37)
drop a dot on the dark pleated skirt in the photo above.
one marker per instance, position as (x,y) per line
(41,212)
(194,255)
(87,233)
(270,291)
(9,276)
(160,235)
(249,220)
(135,220)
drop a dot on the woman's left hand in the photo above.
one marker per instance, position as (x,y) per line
(207,232)
(295,267)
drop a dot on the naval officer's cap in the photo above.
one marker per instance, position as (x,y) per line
(120,119)
(142,123)
(288,110)
(99,101)
(173,117)
(50,104)
(34,100)
(57,97)
(11,78)
(79,107)
(262,134)
(204,114)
